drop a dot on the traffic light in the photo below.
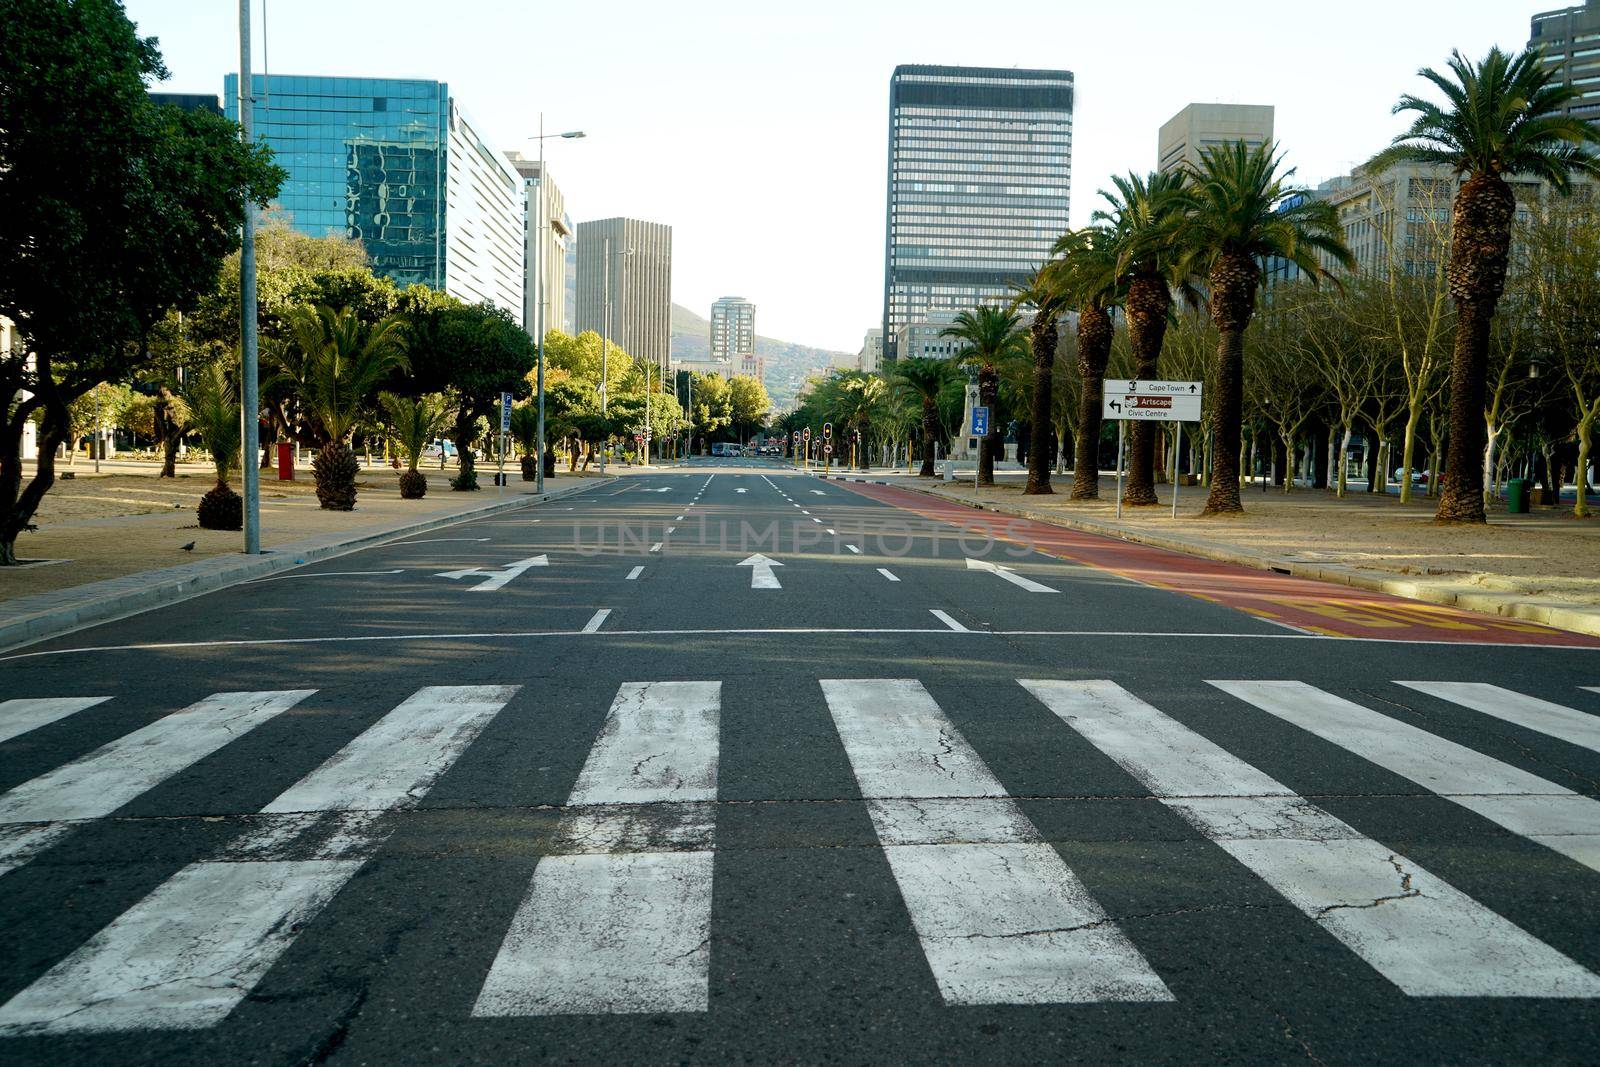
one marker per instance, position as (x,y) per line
(827,429)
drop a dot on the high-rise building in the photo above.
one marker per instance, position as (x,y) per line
(1571,37)
(635,259)
(870,358)
(548,231)
(397,165)
(733,335)
(980,181)
(1201,126)
(188,101)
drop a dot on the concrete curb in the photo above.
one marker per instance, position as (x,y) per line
(45,615)
(1557,614)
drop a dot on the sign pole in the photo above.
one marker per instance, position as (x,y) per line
(1177,459)
(1119,468)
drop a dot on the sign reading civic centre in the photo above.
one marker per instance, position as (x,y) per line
(1145,401)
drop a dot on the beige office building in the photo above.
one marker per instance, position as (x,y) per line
(546,216)
(639,276)
(733,335)
(1570,36)
(1201,126)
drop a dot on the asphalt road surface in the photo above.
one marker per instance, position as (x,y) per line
(729,763)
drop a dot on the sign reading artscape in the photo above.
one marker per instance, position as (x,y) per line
(1145,401)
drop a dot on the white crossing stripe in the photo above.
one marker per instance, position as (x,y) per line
(1523,803)
(41,810)
(854,549)
(187,954)
(1543,716)
(633,575)
(19,716)
(1001,918)
(945,618)
(619,919)
(887,574)
(1419,932)
(596,621)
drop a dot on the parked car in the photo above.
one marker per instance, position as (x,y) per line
(440,447)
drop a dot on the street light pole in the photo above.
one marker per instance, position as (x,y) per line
(250,403)
(539,223)
(605,338)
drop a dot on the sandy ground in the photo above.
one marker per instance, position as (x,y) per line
(1546,553)
(126,519)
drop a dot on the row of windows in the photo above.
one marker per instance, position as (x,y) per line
(290,84)
(978,116)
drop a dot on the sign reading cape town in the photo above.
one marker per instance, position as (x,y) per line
(1160,401)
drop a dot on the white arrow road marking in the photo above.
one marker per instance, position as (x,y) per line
(495,579)
(741,490)
(663,489)
(819,492)
(596,621)
(1005,572)
(761,576)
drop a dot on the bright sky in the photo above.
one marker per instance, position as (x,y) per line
(758,130)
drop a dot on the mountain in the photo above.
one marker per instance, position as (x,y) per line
(787,362)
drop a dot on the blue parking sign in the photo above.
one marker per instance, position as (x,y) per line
(980,422)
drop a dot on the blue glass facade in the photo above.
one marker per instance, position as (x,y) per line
(367,158)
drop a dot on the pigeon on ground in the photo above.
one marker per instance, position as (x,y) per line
(188,547)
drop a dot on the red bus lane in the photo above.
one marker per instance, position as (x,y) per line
(1308,605)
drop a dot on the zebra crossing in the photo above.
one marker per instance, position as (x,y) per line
(618,915)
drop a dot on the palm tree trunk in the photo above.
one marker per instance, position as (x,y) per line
(1042,334)
(1146,305)
(1233,290)
(930,423)
(1094,348)
(988,394)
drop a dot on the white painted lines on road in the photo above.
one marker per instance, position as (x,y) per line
(99,783)
(815,520)
(819,492)
(1542,716)
(832,532)
(1419,932)
(621,921)
(17,717)
(761,576)
(1000,916)
(495,579)
(320,574)
(678,519)
(435,541)
(184,956)
(946,619)
(852,548)
(1523,803)
(656,547)
(633,575)
(596,621)
(887,574)
(741,490)
(1006,573)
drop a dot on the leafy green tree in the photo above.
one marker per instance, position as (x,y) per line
(922,378)
(580,356)
(1244,211)
(1502,115)
(750,404)
(712,405)
(99,408)
(991,337)
(344,360)
(213,404)
(413,422)
(116,211)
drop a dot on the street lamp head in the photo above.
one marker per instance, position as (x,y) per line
(573,135)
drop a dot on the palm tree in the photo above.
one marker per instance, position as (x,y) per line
(213,406)
(345,360)
(1045,294)
(1141,212)
(921,379)
(992,338)
(1503,115)
(1244,210)
(414,422)
(1091,281)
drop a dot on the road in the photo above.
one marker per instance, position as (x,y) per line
(729,763)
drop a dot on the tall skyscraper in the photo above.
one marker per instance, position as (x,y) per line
(1571,37)
(640,276)
(733,335)
(1201,126)
(980,180)
(548,227)
(397,165)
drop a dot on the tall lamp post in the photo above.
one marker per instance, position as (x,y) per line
(249,400)
(540,222)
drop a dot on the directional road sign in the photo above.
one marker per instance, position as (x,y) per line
(1151,401)
(505,412)
(980,422)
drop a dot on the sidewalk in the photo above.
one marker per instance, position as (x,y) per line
(115,541)
(1542,567)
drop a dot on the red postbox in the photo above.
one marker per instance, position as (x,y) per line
(285,462)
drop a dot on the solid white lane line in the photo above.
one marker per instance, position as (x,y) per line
(946,619)
(434,541)
(19,716)
(596,621)
(187,954)
(319,574)
(634,574)
(1000,917)
(886,573)
(656,547)
(1523,803)
(1543,716)
(621,922)
(1419,932)
(99,783)
(854,549)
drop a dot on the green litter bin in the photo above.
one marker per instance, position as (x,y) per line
(1517,490)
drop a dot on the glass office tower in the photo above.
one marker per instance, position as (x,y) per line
(395,164)
(980,169)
